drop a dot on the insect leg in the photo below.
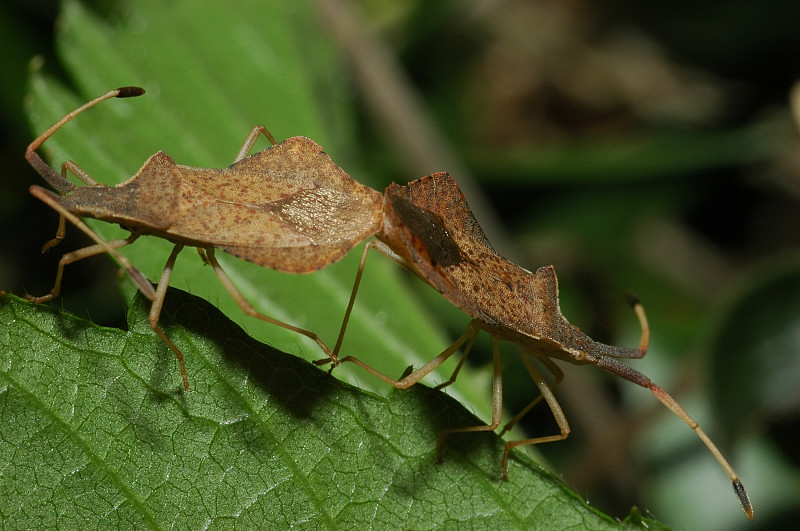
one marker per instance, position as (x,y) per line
(248,309)
(74,256)
(78,172)
(250,141)
(555,407)
(81,174)
(158,303)
(470,333)
(420,373)
(59,237)
(497,400)
(555,371)
(386,251)
(453,376)
(350,304)
(138,278)
(372,244)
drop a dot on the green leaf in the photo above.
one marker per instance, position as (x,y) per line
(95,433)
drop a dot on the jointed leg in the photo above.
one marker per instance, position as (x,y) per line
(250,141)
(81,174)
(78,172)
(141,282)
(350,303)
(248,309)
(497,401)
(558,415)
(555,371)
(382,248)
(470,333)
(386,251)
(61,232)
(453,376)
(155,311)
(74,256)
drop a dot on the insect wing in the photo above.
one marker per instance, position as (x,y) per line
(289,208)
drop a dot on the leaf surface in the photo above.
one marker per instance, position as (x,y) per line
(93,433)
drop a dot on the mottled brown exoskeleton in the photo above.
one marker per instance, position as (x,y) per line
(288,207)
(429,228)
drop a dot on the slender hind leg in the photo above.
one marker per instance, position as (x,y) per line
(559,376)
(414,377)
(144,285)
(155,311)
(497,401)
(74,256)
(138,278)
(404,383)
(555,408)
(250,141)
(248,309)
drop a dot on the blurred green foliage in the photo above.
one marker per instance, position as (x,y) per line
(647,149)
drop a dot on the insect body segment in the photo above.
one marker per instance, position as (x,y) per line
(458,261)
(288,207)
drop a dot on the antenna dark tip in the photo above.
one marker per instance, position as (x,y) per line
(744,499)
(633,299)
(129,92)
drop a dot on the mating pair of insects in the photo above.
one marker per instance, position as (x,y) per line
(290,208)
